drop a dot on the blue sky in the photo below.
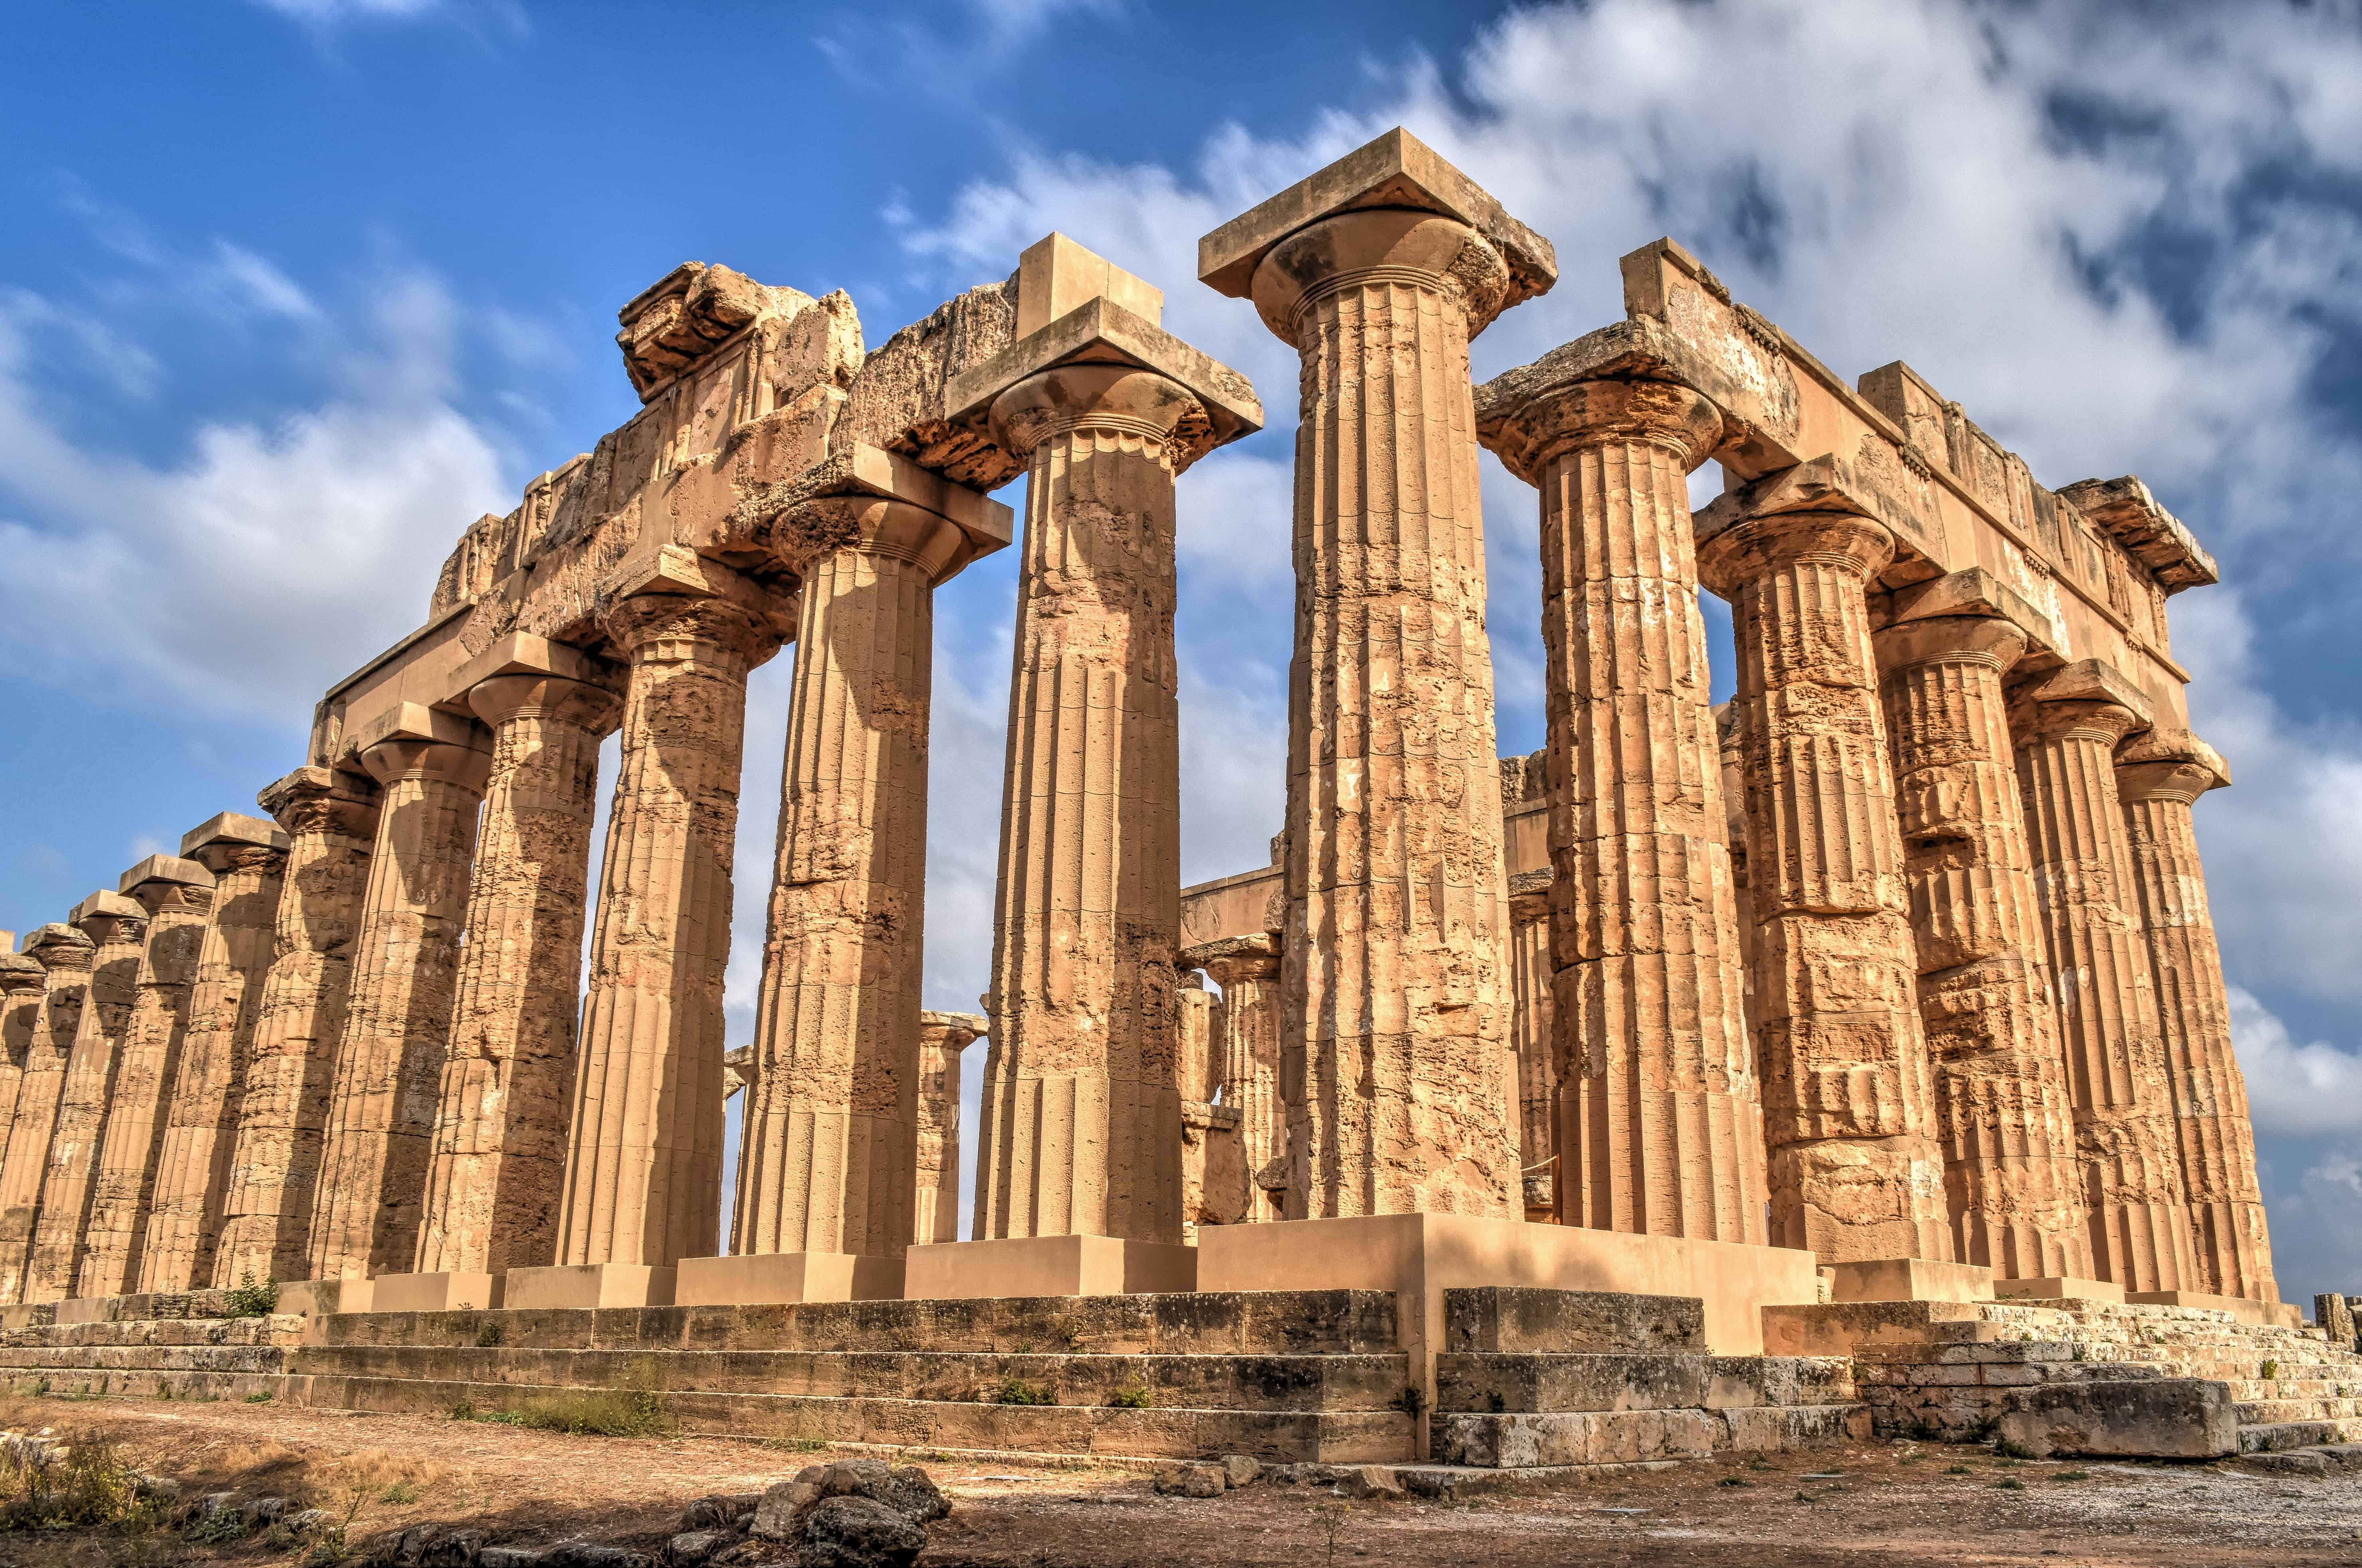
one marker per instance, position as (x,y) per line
(292,290)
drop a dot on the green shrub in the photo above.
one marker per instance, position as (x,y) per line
(78,1482)
(252,1300)
(489,1336)
(1138,1397)
(1017,1391)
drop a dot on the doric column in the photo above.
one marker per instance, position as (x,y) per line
(1661,1124)
(941,1037)
(1856,1174)
(1532,1029)
(331,820)
(247,857)
(829,1159)
(1396,970)
(22,982)
(507,1083)
(65,955)
(2158,777)
(2067,726)
(119,927)
(2011,1182)
(431,768)
(644,1167)
(1247,968)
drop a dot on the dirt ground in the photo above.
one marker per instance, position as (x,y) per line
(1893,1504)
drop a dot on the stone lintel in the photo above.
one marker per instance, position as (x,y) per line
(2169,743)
(158,873)
(234,830)
(105,904)
(2155,538)
(1258,944)
(522,653)
(976,1025)
(1973,591)
(1398,169)
(2092,680)
(417,722)
(1055,275)
(1103,332)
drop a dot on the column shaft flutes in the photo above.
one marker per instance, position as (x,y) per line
(66,954)
(120,926)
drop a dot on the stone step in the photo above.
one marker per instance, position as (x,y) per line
(1521,1320)
(2276,1436)
(1241,1381)
(37,1359)
(2271,1412)
(1268,1322)
(73,1384)
(1664,1380)
(1358,1436)
(1621,1437)
(2290,1387)
(284,1329)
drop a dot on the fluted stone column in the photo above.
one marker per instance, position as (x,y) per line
(247,857)
(1397,971)
(941,1037)
(65,955)
(331,821)
(1660,1119)
(119,927)
(2158,777)
(2066,726)
(1533,1027)
(830,1158)
(644,1167)
(431,768)
(1247,968)
(1856,1173)
(507,1084)
(2011,1182)
(22,983)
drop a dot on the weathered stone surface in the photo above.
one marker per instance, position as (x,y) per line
(2164,1417)
(856,1533)
(1396,979)
(2013,1183)
(1849,1113)
(896,400)
(66,956)
(2067,725)
(120,926)
(1250,1073)
(247,859)
(941,1037)
(1512,1319)
(1659,1122)
(331,821)
(2160,777)
(2333,1316)
(1533,1037)
(1192,1481)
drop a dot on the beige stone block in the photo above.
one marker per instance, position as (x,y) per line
(1055,275)
(760,1277)
(1909,1279)
(86,1309)
(1049,1266)
(2057,1289)
(449,1291)
(575,1286)
(2245,1311)
(324,1297)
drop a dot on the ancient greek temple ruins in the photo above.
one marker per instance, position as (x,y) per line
(1872,1013)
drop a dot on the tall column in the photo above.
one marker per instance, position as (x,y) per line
(1661,1125)
(1247,968)
(119,927)
(431,768)
(2066,726)
(22,983)
(941,1037)
(828,1160)
(1533,1030)
(2011,1182)
(331,820)
(1856,1174)
(2158,777)
(507,1084)
(246,857)
(1396,970)
(644,1167)
(64,954)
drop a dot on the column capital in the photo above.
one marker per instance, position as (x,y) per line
(499,699)
(2089,698)
(660,605)
(2169,764)
(1742,547)
(323,800)
(108,917)
(812,531)
(1529,894)
(1229,958)
(832,506)
(21,975)
(413,741)
(1399,205)
(233,841)
(58,945)
(1970,594)
(1528,416)
(953,1032)
(164,882)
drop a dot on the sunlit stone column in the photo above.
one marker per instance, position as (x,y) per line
(64,955)
(2158,777)
(829,1161)
(2013,1185)
(1661,1124)
(1247,968)
(119,927)
(1856,1173)
(331,820)
(507,1084)
(2066,726)
(247,859)
(644,1167)
(432,768)
(1395,968)
(1532,1028)
(22,982)
(941,1037)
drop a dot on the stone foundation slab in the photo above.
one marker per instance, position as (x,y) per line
(577,1285)
(324,1297)
(1051,1266)
(1909,1279)
(2274,1314)
(2058,1289)
(447,1292)
(759,1277)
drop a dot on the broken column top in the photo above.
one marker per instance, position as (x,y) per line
(234,830)
(18,973)
(47,942)
(686,314)
(1398,171)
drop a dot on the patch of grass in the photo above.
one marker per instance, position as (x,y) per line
(2009,1484)
(78,1482)
(257,1398)
(582,1412)
(2009,1449)
(1017,1391)
(1759,1463)
(1958,1470)
(252,1300)
(2071,1475)
(401,1491)
(1138,1397)
(2270,1370)
(1734,1481)
(489,1336)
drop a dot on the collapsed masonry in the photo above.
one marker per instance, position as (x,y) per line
(1891,981)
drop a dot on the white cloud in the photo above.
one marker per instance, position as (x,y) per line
(1012,21)
(329,12)
(2293,1090)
